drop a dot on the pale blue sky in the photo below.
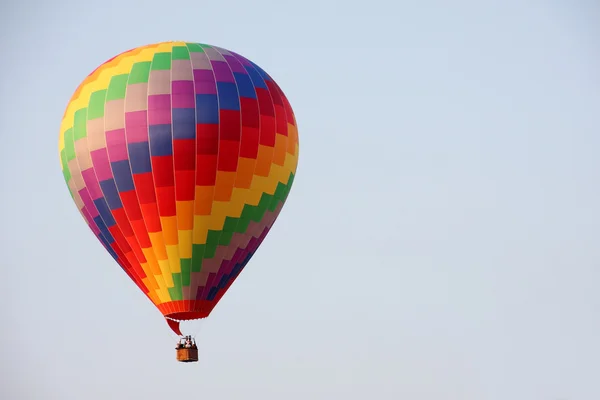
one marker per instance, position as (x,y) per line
(440,241)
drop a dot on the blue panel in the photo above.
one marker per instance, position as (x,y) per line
(104,230)
(161,142)
(261,71)
(257,80)
(108,248)
(104,212)
(228,96)
(184,123)
(211,295)
(207,109)
(111,194)
(223,281)
(244,85)
(122,175)
(139,157)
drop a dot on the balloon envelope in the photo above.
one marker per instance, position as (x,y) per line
(180,157)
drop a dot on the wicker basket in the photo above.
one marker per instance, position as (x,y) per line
(187,355)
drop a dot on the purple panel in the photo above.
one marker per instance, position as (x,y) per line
(183,94)
(101,165)
(89,204)
(89,177)
(136,126)
(204,82)
(115,144)
(235,65)
(222,71)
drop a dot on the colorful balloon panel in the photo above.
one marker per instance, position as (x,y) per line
(180,157)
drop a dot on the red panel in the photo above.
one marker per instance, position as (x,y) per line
(185,188)
(207,138)
(273,90)
(249,144)
(150,212)
(165,197)
(206,170)
(267,130)
(230,125)
(265,103)
(144,185)
(281,120)
(119,238)
(288,111)
(162,168)
(183,154)
(228,155)
(130,203)
(136,265)
(122,222)
(250,112)
(139,227)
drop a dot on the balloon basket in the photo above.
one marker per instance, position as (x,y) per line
(187,355)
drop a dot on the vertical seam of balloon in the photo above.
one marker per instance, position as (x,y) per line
(132,269)
(246,233)
(78,189)
(237,163)
(133,180)
(79,173)
(192,304)
(152,171)
(193,287)
(104,194)
(201,296)
(196,287)
(254,66)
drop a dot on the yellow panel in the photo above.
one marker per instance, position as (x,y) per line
(173,253)
(163,293)
(165,269)
(185,244)
(200,228)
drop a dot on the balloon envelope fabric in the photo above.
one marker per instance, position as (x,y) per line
(180,157)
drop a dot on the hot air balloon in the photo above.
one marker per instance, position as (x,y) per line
(179,156)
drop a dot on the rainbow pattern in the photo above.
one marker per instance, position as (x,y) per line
(180,157)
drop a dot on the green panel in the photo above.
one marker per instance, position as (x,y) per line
(69,145)
(180,53)
(197,256)
(140,72)
(66,172)
(161,62)
(225,238)
(186,268)
(280,191)
(212,241)
(117,87)
(194,48)
(242,225)
(96,106)
(80,124)
(230,224)
(175,292)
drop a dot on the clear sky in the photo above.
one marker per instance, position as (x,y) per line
(440,241)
